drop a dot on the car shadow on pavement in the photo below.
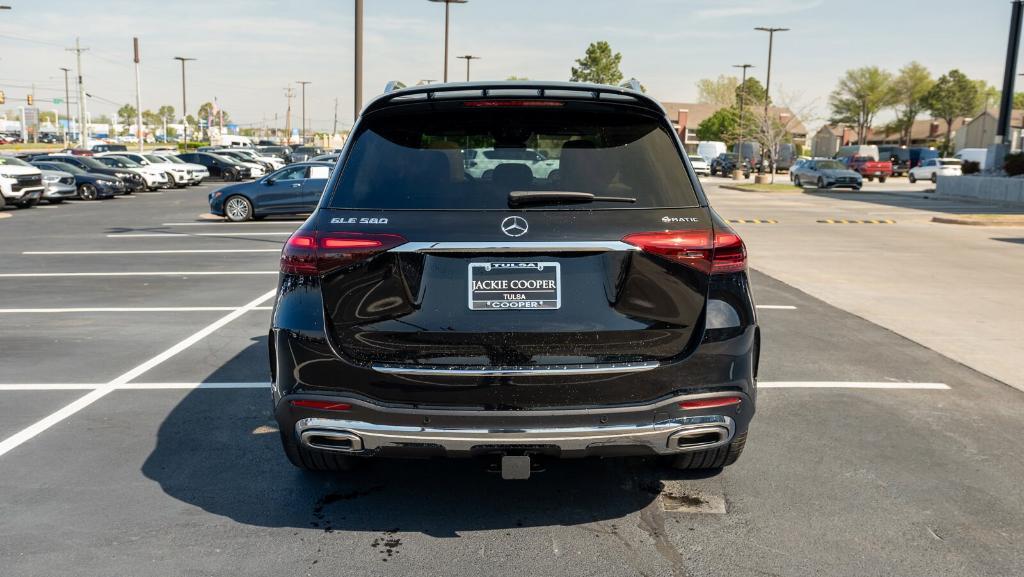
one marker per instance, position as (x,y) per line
(913,200)
(219,450)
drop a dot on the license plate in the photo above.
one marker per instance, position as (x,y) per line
(515,285)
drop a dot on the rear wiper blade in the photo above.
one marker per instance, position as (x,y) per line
(524,197)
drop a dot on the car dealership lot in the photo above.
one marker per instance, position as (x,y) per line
(136,435)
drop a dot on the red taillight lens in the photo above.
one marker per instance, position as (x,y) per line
(710,403)
(321,405)
(308,253)
(710,252)
(512,103)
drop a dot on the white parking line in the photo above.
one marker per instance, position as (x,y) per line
(180,251)
(777,307)
(45,423)
(156,273)
(195,234)
(125,310)
(888,385)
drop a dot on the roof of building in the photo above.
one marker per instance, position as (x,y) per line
(698,112)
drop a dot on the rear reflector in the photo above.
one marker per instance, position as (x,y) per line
(710,403)
(512,103)
(309,253)
(719,251)
(321,405)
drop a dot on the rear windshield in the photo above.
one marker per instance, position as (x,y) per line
(467,157)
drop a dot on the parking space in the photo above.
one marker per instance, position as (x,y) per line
(870,455)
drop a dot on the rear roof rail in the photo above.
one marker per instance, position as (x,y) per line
(630,92)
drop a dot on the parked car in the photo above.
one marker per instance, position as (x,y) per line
(197,172)
(725,163)
(58,186)
(21,184)
(826,173)
(423,314)
(710,149)
(219,166)
(979,155)
(88,185)
(294,189)
(245,155)
(152,178)
(786,156)
(281,152)
(480,163)
(933,168)
(700,166)
(919,154)
(869,168)
(898,156)
(131,181)
(98,148)
(178,175)
(304,153)
(797,164)
(329,157)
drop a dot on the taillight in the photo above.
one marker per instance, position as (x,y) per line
(710,403)
(309,253)
(713,252)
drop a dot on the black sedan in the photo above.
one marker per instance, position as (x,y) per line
(90,186)
(132,181)
(294,189)
(725,163)
(219,166)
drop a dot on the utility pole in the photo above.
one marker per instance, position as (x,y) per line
(736,174)
(184,106)
(303,83)
(468,58)
(83,127)
(447,17)
(335,129)
(67,106)
(357,100)
(768,79)
(289,93)
(1004,135)
(138,93)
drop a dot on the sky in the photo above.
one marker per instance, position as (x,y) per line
(249,52)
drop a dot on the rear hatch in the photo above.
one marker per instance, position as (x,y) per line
(606,260)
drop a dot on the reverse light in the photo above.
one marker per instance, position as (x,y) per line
(711,403)
(713,252)
(321,405)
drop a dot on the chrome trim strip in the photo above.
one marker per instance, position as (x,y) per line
(512,246)
(662,437)
(552,370)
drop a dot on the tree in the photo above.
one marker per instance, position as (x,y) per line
(151,119)
(911,86)
(773,129)
(719,92)
(987,96)
(753,93)
(952,96)
(126,114)
(48,116)
(1018,100)
(722,125)
(166,113)
(860,95)
(598,66)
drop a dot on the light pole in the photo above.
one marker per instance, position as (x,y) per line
(768,78)
(743,89)
(468,58)
(447,14)
(184,106)
(303,83)
(67,106)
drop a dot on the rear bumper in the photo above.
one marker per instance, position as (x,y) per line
(661,428)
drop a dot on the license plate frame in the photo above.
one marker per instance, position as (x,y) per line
(526,294)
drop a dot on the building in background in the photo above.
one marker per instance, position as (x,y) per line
(687,116)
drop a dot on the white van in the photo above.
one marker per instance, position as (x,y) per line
(978,155)
(710,149)
(232,141)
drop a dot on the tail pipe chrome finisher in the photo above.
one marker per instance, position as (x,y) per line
(336,441)
(699,438)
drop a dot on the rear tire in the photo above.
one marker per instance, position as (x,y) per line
(911,178)
(310,460)
(881,179)
(712,458)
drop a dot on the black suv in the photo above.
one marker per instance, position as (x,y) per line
(725,163)
(219,166)
(603,310)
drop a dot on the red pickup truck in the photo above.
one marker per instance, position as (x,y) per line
(870,168)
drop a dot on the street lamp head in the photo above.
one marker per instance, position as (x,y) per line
(183,58)
(769,29)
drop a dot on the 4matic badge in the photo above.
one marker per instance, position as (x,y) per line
(679,219)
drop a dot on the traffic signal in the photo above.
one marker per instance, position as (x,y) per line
(29,99)
(3,97)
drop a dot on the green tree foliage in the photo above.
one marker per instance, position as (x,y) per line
(719,92)
(126,114)
(910,86)
(1018,100)
(598,66)
(987,96)
(151,119)
(753,93)
(953,95)
(166,113)
(860,95)
(723,125)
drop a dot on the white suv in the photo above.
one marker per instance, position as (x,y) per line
(933,168)
(480,162)
(21,184)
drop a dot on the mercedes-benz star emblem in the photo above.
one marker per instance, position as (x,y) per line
(515,226)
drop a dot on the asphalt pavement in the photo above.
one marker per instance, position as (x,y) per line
(136,439)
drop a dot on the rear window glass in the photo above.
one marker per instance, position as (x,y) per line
(458,157)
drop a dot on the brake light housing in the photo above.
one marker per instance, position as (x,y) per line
(711,403)
(313,253)
(709,251)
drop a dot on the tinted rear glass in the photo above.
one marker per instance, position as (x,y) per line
(459,157)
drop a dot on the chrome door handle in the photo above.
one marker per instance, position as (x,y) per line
(296,185)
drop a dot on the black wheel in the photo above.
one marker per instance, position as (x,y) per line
(27,203)
(935,177)
(554,175)
(238,209)
(87,192)
(796,182)
(712,458)
(311,460)
(911,178)
(487,175)
(882,178)
(821,182)
(870,178)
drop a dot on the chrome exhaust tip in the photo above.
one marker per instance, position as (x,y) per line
(699,438)
(336,441)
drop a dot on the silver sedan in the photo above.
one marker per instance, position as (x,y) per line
(59,185)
